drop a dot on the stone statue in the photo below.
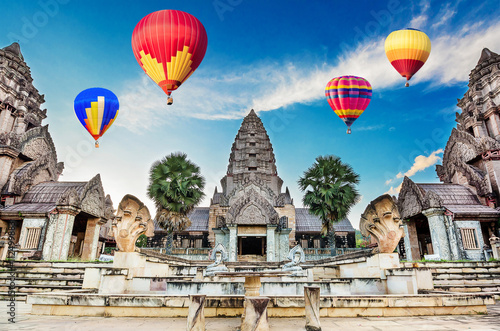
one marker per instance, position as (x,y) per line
(297,256)
(219,255)
(132,219)
(381,220)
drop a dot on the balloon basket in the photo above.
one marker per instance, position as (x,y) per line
(349,131)
(407,84)
(96,144)
(170,101)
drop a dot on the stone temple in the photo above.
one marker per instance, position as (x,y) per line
(454,220)
(52,219)
(252,216)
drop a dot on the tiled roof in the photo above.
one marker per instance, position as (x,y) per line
(41,208)
(460,200)
(305,222)
(452,194)
(49,192)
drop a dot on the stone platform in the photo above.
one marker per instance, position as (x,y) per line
(283,306)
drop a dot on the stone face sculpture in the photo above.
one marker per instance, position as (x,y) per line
(297,256)
(219,255)
(132,219)
(381,220)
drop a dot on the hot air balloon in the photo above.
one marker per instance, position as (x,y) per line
(97,109)
(169,45)
(348,96)
(407,50)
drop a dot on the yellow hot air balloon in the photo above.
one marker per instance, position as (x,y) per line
(407,50)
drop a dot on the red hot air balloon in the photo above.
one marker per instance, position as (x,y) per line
(348,96)
(169,45)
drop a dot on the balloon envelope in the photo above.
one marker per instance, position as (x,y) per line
(97,109)
(348,96)
(169,45)
(407,50)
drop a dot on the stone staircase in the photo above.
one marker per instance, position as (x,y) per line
(41,276)
(462,277)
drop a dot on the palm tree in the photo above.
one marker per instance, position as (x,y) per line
(176,187)
(331,192)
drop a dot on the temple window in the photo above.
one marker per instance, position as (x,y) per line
(251,144)
(469,240)
(252,155)
(252,168)
(32,238)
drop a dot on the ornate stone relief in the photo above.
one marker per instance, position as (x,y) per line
(235,214)
(411,199)
(297,256)
(93,197)
(219,256)
(382,221)
(36,142)
(132,219)
(21,182)
(69,198)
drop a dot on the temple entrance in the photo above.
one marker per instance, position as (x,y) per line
(252,246)
(424,237)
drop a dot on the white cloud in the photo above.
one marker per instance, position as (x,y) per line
(387,182)
(265,86)
(418,22)
(394,190)
(421,163)
(444,16)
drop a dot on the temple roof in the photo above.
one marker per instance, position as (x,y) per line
(306,222)
(415,198)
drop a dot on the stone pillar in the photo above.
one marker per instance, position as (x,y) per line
(58,235)
(233,242)
(252,286)
(452,237)
(311,297)
(255,314)
(495,247)
(439,235)
(270,236)
(283,246)
(196,313)
(411,241)
(91,239)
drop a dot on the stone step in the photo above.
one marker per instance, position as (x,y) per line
(45,270)
(468,288)
(54,275)
(40,288)
(492,275)
(492,282)
(465,270)
(42,281)
(471,264)
(4,296)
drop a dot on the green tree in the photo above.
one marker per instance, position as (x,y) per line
(330,192)
(176,187)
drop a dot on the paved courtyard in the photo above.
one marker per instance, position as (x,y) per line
(25,321)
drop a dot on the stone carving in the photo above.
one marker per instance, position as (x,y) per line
(251,215)
(254,317)
(132,219)
(93,197)
(69,198)
(21,181)
(495,247)
(382,221)
(297,256)
(235,213)
(219,255)
(311,298)
(196,313)
(108,208)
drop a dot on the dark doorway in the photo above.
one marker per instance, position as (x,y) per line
(424,237)
(251,246)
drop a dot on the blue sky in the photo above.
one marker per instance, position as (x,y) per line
(273,56)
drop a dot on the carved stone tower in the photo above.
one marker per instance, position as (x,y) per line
(479,107)
(251,215)
(252,153)
(27,152)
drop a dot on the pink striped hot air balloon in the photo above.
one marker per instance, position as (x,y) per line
(348,96)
